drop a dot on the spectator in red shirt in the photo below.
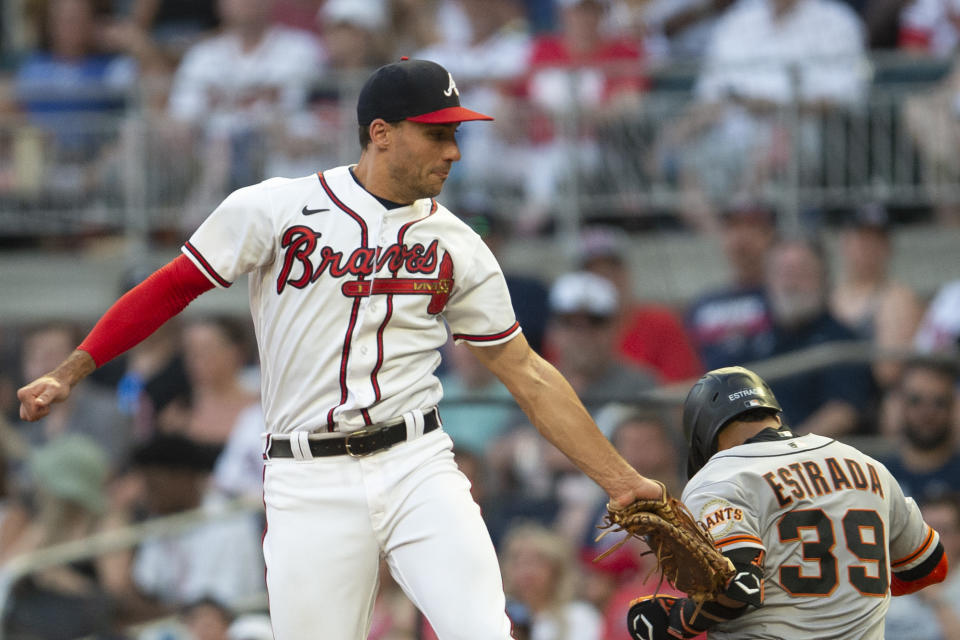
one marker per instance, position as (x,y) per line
(649,334)
(580,72)
(603,68)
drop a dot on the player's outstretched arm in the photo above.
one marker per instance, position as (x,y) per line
(556,411)
(133,317)
(37,397)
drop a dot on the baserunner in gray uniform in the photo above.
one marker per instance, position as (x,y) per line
(821,534)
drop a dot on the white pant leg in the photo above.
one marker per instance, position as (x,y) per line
(322,557)
(437,545)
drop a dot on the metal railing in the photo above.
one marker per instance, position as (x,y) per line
(138,172)
(20,566)
(812,358)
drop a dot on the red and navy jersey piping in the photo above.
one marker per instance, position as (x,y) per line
(348,337)
(389,304)
(487,338)
(206,266)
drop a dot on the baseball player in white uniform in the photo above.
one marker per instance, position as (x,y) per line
(820,533)
(355,275)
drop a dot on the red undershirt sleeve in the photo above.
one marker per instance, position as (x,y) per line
(923,576)
(143,309)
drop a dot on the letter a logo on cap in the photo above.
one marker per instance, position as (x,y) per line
(452,88)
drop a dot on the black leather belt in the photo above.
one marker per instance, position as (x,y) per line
(356,444)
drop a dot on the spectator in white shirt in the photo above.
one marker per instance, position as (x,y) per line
(765,55)
(233,87)
(486,66)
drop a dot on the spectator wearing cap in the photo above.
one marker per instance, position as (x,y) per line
(219,559)
(724,321)
(866,298)
(69,503)
(582,334)
(537,482)
(648,335)
(353,34)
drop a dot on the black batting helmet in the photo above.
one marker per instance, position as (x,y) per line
(717,398)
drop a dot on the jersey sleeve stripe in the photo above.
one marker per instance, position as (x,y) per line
(923,569)
(922,549)
(206,266)
(487,338)
(737,539)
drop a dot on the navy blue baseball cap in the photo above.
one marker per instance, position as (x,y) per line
(415,90)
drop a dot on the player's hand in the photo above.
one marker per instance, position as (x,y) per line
(649,618)
(36,397)
(645,489)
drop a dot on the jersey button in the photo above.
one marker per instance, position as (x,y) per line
(363,350)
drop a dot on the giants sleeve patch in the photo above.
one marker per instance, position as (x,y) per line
(718,516)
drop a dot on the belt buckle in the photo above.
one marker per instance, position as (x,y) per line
(365,431)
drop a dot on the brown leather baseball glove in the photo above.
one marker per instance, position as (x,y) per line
(685,554)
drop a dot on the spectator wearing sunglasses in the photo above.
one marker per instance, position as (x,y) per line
(581,340)
(926,462)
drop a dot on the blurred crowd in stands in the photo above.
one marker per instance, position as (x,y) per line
(164,106)
(217,95)
(176,425)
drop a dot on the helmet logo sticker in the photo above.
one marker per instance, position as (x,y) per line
(742,393)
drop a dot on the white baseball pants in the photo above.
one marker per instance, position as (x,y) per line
(330,518)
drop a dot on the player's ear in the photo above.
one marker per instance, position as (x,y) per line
(380,133)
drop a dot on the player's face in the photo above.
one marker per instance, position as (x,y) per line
(421,156)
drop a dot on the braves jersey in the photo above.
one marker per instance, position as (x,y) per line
(350,300)
(831,521)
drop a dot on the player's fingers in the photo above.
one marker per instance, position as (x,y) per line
(31,411)
(35,401)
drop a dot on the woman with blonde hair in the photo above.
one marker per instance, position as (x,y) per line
(540,572)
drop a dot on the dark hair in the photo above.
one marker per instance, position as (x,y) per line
(209,601)
(760,414)
(71,330)
(949,499)
(175,451)
(236,331)
(942,366)
(39,13)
